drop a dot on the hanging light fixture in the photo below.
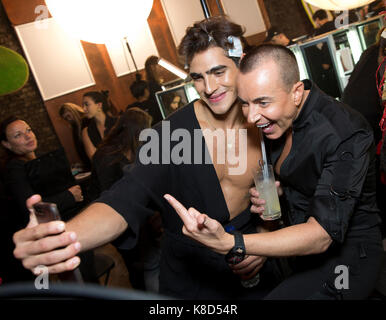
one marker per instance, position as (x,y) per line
(172,68)
(338,5)
(99,21)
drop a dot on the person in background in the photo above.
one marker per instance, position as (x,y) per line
(322,22)
(362,95)
(75,116)
(154,81)
(118,149)
(276,37)
(25,174)
(173,102)
(140,91)
(115,155)
(98,110)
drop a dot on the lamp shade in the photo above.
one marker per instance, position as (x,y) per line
(339,4)
(14,71)
(100,21)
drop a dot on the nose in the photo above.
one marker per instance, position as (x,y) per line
(28,135)
(254,114)
(210,85)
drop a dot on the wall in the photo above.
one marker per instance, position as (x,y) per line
(289,17)
(26,103)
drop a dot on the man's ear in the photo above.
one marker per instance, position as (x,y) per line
(298,90)
(6,144)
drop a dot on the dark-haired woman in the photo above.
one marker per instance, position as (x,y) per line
(154,83)
(118,150)
(25,174)
(119,147)
(98,109)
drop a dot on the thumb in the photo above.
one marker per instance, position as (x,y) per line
(204,221)
(32,217)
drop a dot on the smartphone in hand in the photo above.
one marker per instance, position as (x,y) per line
(46,212)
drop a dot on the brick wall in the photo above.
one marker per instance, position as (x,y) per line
(27,102)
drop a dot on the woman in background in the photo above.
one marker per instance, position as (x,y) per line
(99,110)
(154,81)
(173,102)
(25,174)
(75,116)
(118,149)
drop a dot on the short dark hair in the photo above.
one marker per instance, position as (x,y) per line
(210,32)
(282,56)
(320,14)
(138,87)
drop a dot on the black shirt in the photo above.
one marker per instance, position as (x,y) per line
(188,269)
(93,132)
(327,27)
(329,173)
(361,91)
(48,175)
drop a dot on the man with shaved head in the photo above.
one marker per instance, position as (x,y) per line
(323,154)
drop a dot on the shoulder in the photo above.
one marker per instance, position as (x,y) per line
(340,122)
(110,120)
(183,118)
(15,164)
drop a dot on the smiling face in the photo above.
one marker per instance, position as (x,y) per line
(267,102)
(20,138)
(91,108)
(214,76)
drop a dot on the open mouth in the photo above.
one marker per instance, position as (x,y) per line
(263,125)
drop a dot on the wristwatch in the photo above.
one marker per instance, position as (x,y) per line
(237,253)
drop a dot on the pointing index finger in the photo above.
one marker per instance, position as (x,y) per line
(180,209)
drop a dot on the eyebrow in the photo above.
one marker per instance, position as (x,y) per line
(211,71)
(256,100)
(260,99)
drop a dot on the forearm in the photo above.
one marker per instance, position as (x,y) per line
(298,240)
(97,225)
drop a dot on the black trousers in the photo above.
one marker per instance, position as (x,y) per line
(320,277)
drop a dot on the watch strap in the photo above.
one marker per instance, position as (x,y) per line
(239,239)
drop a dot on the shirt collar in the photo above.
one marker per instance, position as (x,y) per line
(308,106)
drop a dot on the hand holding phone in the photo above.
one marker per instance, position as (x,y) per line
(46,212)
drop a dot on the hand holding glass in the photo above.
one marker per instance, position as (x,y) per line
(265,185)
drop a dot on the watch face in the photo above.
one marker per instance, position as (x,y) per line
(235,256)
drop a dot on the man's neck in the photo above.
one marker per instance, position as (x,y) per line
(231,120)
